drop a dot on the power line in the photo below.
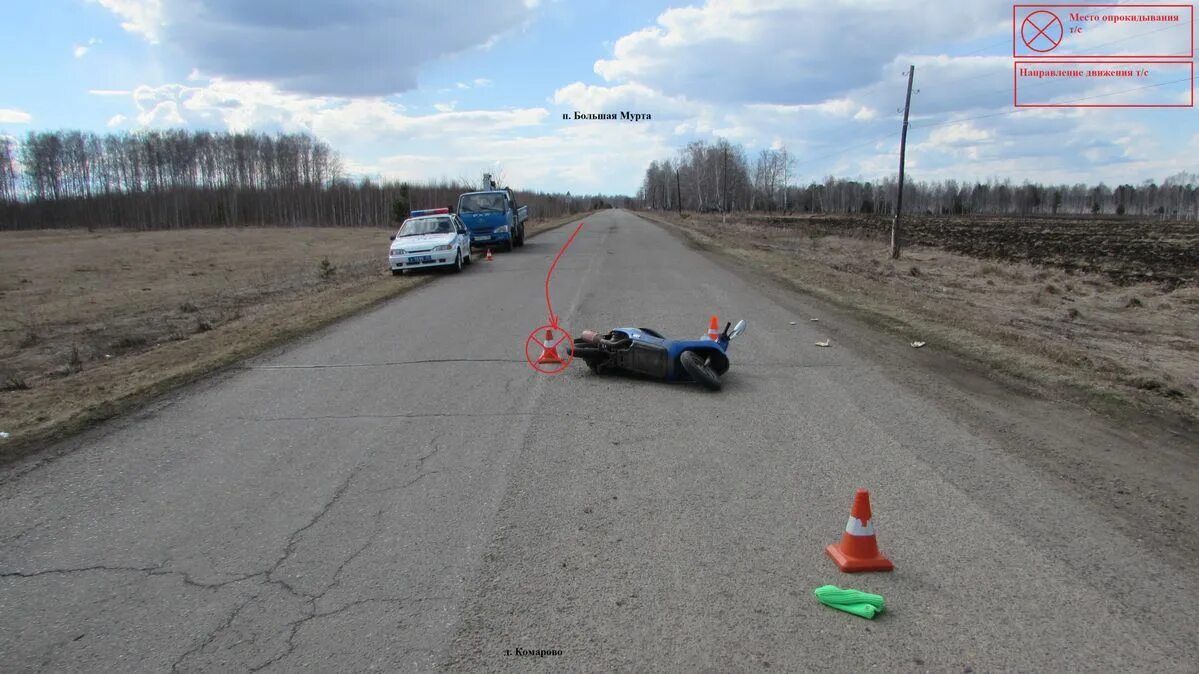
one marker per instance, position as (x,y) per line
(1073,100)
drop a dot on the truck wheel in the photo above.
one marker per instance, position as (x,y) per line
(520,240)
(697,366)
(508,245)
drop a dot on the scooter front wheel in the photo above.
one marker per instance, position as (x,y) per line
(697,367)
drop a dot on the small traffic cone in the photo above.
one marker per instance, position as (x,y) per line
(549,354)
(487,257)
(858,549)
(713,330)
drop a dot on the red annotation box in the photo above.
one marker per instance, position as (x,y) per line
(1103,84)
(1103,31)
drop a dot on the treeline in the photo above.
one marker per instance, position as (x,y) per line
(181,179)
(720,177)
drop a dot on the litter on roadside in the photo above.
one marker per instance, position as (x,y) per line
(917,345)
(813,319)
(863,604)
(824,343)
(3,435)
(792,322)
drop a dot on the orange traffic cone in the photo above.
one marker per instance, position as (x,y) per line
(713,330)
(858,549)
(549,354)
(488,256)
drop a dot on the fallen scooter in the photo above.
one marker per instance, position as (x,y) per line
(646,352)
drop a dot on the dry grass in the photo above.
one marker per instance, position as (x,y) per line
(1134,343)
(92,324)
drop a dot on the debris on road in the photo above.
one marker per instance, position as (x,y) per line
(824,343)
(792,322)
(917,345)
(4,436)
(813,319)
(857,602)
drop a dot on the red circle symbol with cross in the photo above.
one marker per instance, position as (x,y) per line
(1042,31)
(542,349)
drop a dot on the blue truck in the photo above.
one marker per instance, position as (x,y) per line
(493,218)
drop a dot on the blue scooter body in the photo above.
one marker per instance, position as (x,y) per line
(668,367)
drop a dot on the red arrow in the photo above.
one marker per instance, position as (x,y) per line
(549,307)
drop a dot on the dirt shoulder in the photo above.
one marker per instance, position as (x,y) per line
(1127,453)
(93,324)
(1069,333)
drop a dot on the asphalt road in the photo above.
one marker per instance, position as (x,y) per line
(402,492)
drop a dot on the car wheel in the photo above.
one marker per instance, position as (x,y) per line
(458,262)
(697,366)
(469,257)
(397,272)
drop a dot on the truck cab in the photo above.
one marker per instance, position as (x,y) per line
(493,218)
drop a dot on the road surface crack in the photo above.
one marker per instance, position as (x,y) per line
(84,569)
(336,366)
(412,415)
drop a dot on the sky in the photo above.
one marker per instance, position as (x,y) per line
(431,89)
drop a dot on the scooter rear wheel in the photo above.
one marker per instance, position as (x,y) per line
(697,366)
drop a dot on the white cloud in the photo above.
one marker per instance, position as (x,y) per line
(116,120)
(143,17)
(14,116)
(109,92)
(323,47)
(631,97)
(445,107)
(81,50)
(242,106)
(783,51)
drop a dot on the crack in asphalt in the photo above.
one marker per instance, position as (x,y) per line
(84,569)
(412,415)
(213,634)
(295,625)
(310,600)
(335,366)
(420,462)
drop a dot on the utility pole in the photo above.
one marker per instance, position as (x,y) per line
(678,192)
(786,160)
(903,146)
(724,179)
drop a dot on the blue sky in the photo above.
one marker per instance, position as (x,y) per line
(427,89)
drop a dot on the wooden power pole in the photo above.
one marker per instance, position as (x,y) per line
(903,146)
(678,192)
(724,179)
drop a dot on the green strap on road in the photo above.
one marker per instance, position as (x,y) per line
(856,602)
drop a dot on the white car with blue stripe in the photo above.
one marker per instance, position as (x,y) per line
(430,238)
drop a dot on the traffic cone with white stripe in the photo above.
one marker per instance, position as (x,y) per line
(549,354)
(713,330)
(858,549)
(487,257)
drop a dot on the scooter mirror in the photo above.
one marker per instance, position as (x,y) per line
(737,329)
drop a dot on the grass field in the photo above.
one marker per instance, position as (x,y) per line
(93,323)
(1126,249)
(1094,330)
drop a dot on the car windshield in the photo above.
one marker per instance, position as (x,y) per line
(475,203)
(418,226)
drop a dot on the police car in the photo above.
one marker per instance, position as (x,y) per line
(430,238)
